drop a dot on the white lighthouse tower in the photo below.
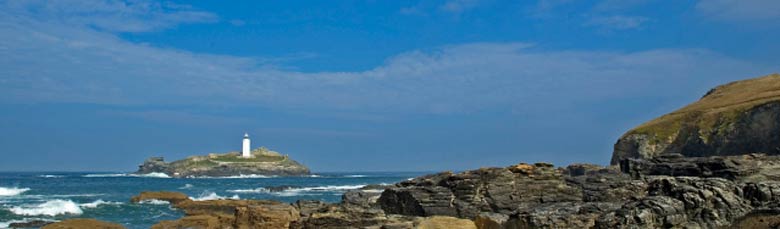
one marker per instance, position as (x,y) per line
(245,150)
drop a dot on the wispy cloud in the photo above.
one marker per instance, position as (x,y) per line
(48,61)
(458,6)
(617,22)
(115,16)
(740,10)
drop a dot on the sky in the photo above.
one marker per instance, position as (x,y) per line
(360,85)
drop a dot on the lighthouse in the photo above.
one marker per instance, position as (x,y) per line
(246,147)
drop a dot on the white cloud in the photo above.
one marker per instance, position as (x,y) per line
(740,10)
(46,61)
(617,22)
(458,6)
(116,16)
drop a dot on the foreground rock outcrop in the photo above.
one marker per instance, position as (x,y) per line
(526,196)
(82,224)
(263,162)
(733,119)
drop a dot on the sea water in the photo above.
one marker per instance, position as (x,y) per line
(105,196)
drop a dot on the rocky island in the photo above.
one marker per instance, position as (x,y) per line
(261,161)
(711,164)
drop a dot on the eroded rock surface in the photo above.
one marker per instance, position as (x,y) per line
(83,224)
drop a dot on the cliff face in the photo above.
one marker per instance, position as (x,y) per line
(737,118)
(262,162)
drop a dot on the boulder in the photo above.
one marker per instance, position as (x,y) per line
(83,224)
(190,222)
(445,222)
(266,216)
(30,224)
(364,198)
(172,197)
(466,194)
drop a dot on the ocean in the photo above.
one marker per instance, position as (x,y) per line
(27,196)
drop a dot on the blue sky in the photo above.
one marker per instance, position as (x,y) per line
(360,85)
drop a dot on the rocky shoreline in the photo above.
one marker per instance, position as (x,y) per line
(712,164)
(673,192)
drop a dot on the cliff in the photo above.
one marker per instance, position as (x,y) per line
(736,118)
(263,162)
(693,168)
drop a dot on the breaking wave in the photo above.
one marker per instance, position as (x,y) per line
(155,202)
(241,176)
(356,176)
(318,190)
(107,175)
(51,176)
(213,196)
(97,203)
(186,186)
(12,191)
(257,190)
(49,208)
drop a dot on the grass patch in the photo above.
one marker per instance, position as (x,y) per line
(237,158)
(714,112)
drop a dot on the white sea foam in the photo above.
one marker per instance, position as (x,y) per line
(51,176)
(107,175)
(186,186)
(49,208)
(328,188)
(355,176)
(97,203)
(240,176)
(257,190)
(154,175)
(25,220)
(12,191)
(155,202)
(318,190)
(150,175)
(213,196)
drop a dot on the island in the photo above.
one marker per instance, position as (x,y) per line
(258,162)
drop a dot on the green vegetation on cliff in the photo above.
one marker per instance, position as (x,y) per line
(737,118)
(262,162)
(714,112)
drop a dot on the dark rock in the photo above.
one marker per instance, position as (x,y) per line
(583,169)
(30,224)
(501,190)
(364,198)
(560,215)
(281,188)
(749,167)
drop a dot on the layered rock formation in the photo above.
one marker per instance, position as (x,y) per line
(736,118)
(722,192)
(712,164)
(262,162)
